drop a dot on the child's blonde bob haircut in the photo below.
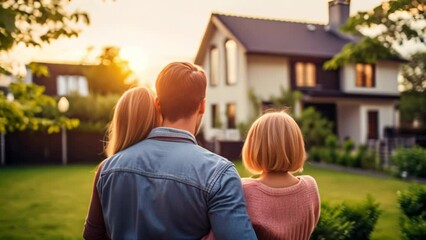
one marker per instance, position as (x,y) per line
(274,144)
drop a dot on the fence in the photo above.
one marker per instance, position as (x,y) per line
(41,148)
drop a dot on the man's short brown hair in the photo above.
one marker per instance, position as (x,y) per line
(181,87)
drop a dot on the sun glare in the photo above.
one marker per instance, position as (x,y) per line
(138,59)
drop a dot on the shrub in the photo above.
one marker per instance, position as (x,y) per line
(410,160)
(332,224)
(413,207)
(365,158)
(94,111)
(347,221)
(331,144)
(314,154)
(364,216)
(314,126)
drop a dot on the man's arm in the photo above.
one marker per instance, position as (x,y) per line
(227,208)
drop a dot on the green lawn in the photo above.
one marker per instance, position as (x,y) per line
(50,202)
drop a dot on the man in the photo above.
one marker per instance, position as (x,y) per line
(168,187)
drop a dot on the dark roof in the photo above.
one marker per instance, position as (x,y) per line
(65,68)
(267,36)
(339,94)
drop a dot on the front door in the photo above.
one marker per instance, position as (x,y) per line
(373,125)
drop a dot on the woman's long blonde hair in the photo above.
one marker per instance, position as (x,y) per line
(135,115)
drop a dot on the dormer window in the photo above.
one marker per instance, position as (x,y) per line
(214,66)
(305,74)
(365,76)
(231,62)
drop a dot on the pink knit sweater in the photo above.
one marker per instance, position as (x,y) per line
(283,213)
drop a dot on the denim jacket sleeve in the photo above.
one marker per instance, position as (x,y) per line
(227,208)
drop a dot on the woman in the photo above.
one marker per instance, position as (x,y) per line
(280,205)
(135,115)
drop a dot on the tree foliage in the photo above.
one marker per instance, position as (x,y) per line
(31,110)
(414,73)
(112,75)
(34,22)
(397,21)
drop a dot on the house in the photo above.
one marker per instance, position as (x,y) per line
(242,54)
(62,79)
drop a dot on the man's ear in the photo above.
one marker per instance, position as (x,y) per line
(202,107)
(157,104)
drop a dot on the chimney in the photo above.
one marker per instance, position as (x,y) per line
(338,13)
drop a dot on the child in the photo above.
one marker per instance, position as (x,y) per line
(280,205)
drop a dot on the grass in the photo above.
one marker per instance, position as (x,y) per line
(44,202)
(50,202)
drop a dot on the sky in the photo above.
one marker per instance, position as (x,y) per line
(154,33)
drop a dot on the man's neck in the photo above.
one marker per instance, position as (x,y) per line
(187,124)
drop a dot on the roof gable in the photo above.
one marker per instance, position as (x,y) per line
(284,37)
(277,37)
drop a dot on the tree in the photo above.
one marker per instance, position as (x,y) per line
(112,75)
(31,110)
(414,73)
(34,22)
(396,22)
(413,97)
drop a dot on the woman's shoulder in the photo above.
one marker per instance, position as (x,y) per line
(309,180)
(249,182)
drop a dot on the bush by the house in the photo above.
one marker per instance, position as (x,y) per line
(413,207)
(94,111)
(315,128)
(410,161)
(346,155)
(347,221)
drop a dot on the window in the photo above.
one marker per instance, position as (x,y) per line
(67,85)
(231,62)
(364,76)
(214,66)
(215,117)
(230,114)
(305,74)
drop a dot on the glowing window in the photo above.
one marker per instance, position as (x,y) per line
(231,62)
(214,66)
(230,114)
(364,76)
(305,74)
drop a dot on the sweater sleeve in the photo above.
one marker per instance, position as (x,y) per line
(94,227)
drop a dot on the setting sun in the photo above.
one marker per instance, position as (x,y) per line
(137,57)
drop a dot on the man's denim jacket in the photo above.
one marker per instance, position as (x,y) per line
(168,187)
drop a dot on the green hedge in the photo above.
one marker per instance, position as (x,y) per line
(94,111)
(413,207)
(346,155)
(347,221)
(410,161)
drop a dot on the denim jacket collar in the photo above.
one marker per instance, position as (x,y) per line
(171,133)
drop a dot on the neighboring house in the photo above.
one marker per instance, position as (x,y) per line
(63,79)
(240,54)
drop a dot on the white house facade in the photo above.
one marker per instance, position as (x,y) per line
(243,54)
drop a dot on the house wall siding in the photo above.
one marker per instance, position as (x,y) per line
(348,119)
(267,75)
(386,77)
(223,94)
